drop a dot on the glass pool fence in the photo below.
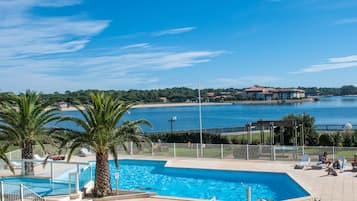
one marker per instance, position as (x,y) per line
(235,151)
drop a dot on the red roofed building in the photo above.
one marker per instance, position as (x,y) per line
(257,92)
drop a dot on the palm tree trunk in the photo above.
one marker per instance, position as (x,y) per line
(27,153)
(102,186)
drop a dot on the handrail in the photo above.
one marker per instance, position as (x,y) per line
(51,161)
(33,192)
(17,192)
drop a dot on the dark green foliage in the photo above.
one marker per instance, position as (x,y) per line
(347,140)
(354,138)
(326,139)
(186,137)
(323,91)
(307,123)
(338,138)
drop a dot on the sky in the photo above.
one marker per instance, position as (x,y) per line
(59,45)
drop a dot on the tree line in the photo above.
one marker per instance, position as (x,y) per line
(180,94)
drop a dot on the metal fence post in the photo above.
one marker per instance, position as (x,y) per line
(272,152)
(77,168)
(91,171)
(221,151)
(10,155)
(174,150)
(21,192)
(52,171)
(2,190)
(333,153)
(197,156)
(131,148)
(22,167)
(247,152)
(77,183)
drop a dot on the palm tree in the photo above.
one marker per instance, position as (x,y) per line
(100,132)
(25,122)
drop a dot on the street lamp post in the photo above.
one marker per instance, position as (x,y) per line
(172,120)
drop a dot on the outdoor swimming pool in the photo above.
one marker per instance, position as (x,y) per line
(153,176)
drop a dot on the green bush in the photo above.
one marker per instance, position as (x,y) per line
(347,140)
(338,138)
(326,139)
(185,137)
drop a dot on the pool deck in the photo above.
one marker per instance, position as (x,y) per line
(325,188)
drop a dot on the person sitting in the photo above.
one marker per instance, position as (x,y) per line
(325,159)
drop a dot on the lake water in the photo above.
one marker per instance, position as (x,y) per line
(329,110)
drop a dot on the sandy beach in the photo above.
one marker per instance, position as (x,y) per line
(256,102)
(157,105)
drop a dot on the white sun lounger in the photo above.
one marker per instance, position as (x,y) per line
(305,161)
(83,152)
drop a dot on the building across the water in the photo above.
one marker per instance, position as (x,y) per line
(257,92)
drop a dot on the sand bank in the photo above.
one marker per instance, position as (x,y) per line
(157,105)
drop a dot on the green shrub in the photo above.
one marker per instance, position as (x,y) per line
(326,139)
(184,137)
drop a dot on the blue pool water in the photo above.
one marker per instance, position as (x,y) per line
(153,176)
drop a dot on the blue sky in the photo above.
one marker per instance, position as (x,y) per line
(58,45)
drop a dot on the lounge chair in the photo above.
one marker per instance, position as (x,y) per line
(83,152)
(37,157)
(319,164)
(305,161)
(16,165)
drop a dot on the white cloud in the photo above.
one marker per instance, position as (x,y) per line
(244,81)
(326,67)
(351,58)
(137,45)
(346,21)
(174,31)
(49,53)
(334,64)
(24,34)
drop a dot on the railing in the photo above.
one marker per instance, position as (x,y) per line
(243,129)
(76,174)
(9,192)
(236,151)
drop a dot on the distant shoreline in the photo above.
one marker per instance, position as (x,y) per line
(256,102)
(155,105)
